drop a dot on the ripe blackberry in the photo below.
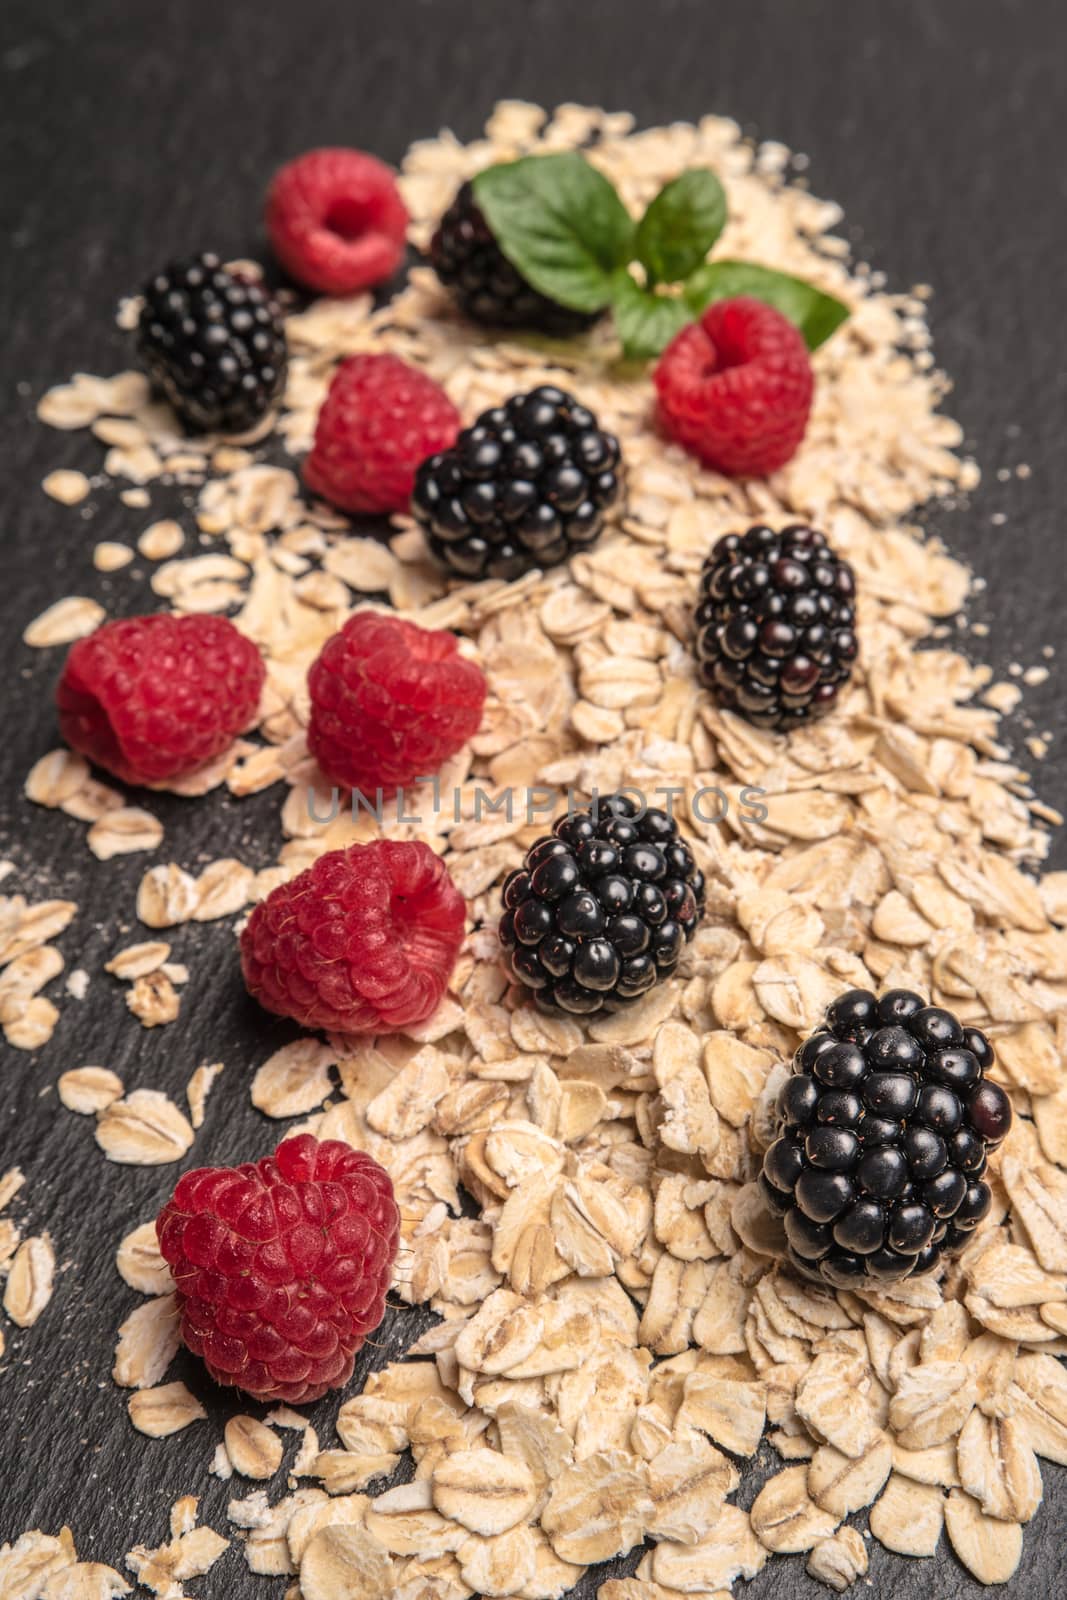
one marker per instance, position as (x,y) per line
(213,342)
(468,260)
(885,1128)
(527,486)
(776,625)
(601,908)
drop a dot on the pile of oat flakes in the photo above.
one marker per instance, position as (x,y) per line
(617,1335)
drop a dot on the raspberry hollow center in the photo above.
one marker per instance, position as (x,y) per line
(348,217)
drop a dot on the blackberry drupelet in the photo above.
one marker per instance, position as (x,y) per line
(468,260)
(527,486)
(213,342)
(776,625)
(601,909)
(886,1124)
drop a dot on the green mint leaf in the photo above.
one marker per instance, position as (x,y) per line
(816,314)
(681,225)
(646,323)
(560,223)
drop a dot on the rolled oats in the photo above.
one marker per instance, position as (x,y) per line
(143,1129)
(988,1548)
(255,1451)
(614,1162)
(148,1343)
(164,1410)
(483,1491)
(64,622)
(839,1561)
(909,1517)
(30,1280)
(140,1263)
(88,1090)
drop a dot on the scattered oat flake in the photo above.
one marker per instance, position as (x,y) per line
(110,556)
(294,1080)
(153,1000)
(143,1129)
(255,1450)
(85,1580)
(138,960)
(140,1263)
(10,1184)
(88,1090)
(197,1090)
(161,540)
(148,1342)
(30,1280)
(64,622)
(66,486)
(123,832)
(164,1410)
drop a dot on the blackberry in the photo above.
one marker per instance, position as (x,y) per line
(468,260)
(527,486)
(885,1126)
(602,908)
(213,342)
(776,625)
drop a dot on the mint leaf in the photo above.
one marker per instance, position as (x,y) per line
(815,314)
(646,323)
(681,225)
(560,223)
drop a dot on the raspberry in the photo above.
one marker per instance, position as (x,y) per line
(214,343)
(282,1265)
(380,419)
(775,625)
(468,260)
(336,220)
(602,908)
(390,702)
(527,486)
(735,388)
(364,941)
(152,698)
(886,1125)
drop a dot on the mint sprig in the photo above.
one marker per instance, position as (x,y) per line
(816,314)
(680,226)
(561,223)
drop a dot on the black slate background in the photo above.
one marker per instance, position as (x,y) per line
(137,132)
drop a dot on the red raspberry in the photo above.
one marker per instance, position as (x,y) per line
(282,1265)
(380,420)
(735,388)
(390,702)
(364,941)
(336,220)
(152,698)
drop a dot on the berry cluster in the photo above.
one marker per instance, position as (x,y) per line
(363,941)
(468,260)
(735,388)
(601,910)
(336,220)
(775,625)
(380,418)
(154,698)
(527,486)
(213,342)
(282,1266)
(887,1122)
(390,702)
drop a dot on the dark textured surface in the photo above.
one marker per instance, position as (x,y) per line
(142,132)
